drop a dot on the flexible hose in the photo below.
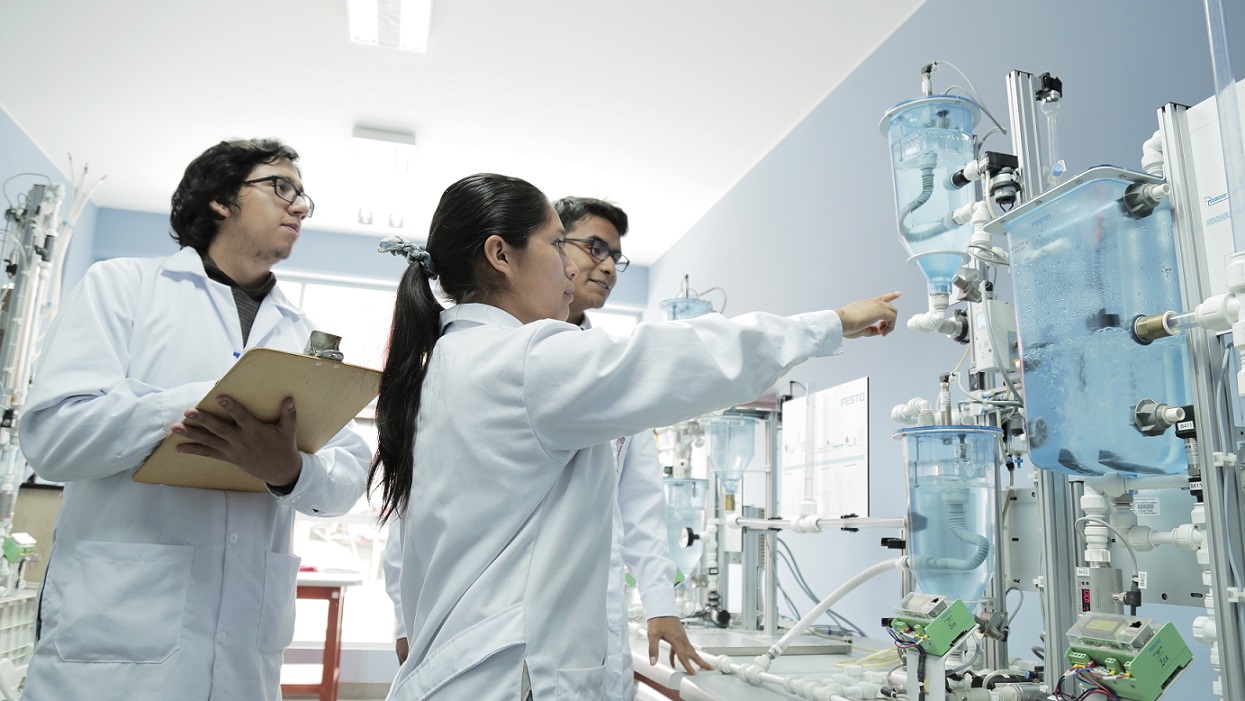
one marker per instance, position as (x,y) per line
(929,161)
(799,628)
(958,521)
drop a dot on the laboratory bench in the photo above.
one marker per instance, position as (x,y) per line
(820,657)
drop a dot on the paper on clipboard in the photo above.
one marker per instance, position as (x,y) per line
(327,395)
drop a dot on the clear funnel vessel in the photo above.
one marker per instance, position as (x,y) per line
(732,444)
(931,138)
(685,520)
(952,488)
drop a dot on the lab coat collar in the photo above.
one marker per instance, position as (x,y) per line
(188,261)
(476,315)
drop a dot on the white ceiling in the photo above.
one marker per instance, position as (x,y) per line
(658,105)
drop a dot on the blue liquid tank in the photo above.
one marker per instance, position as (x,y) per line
(930,139)
(1083,269)
(685,308)
(952,487)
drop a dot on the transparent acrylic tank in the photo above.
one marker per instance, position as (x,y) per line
(685,308)
(685,516)
(930,139)
(1082,270)
(732,444)
(952,477)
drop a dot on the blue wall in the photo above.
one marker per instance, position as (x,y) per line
(122,232)
(127,233)
(813,224)
(108,233)
(18,156)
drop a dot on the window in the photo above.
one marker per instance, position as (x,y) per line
(361,315)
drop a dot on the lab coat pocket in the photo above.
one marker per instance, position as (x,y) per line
(580,684)
(276,623)
(123,602)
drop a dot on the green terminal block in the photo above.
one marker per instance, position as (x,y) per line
(19,546)
(1132,656)
(935,621)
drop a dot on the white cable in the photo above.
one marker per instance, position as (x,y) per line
(1118,536)
(976,96)
(817,612)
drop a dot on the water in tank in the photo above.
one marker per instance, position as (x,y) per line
(685,308)
(931,138)
(685,519)
(952,478)
(1083,269)
(732,444)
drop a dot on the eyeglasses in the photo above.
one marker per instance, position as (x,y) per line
(286,190)
(601,250)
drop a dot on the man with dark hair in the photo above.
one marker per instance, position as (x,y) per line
(595,228)
(168,592)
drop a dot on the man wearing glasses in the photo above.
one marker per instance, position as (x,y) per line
(595,228)
(169,592)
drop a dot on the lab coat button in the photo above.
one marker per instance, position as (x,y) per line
(220,637)
(233,537)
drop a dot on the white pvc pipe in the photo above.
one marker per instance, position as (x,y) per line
(799,628)
(816,525)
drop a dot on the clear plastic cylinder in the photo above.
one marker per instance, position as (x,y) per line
(1083,269)
(931,139)
(952,488)
(685,520)
(732,445)
(685,308)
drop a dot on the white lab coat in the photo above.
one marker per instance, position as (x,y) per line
(391,567)
(506,548)
(641,545)
(155,592)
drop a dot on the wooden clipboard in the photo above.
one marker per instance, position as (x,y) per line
(327,395)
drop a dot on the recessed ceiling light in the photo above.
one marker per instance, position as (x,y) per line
(384,163)
(400,24)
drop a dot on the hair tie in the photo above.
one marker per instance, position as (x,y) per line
(414,253)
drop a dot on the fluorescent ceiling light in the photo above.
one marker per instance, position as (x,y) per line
(383,152)
(383,162)
(401,24)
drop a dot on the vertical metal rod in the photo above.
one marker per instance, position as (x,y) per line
(996,654)
(1054,500)
(751,557)
(1058,547)
(772,501)
(1024,127)
(1205,372)
(719,547)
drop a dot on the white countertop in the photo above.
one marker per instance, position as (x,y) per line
(330,578)
(714,686)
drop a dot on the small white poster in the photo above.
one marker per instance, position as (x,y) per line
(834,467)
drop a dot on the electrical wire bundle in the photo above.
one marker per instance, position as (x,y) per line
(787,556)
(1089,679)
